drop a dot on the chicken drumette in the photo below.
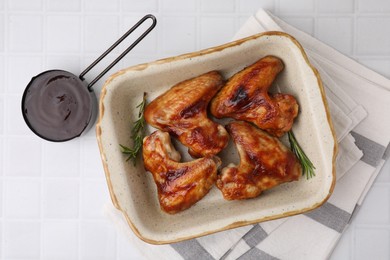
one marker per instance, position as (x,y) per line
(245,97)
(182,111)
(264,163)
(179,185)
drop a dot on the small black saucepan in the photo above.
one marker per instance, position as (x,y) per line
(59,106)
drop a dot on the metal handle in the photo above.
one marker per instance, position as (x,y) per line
(154,22)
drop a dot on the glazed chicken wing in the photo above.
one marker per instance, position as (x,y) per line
(245,97)
(179,185)
(264,163)
(182,111)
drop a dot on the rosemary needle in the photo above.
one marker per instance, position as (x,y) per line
(137,133)
(307,165)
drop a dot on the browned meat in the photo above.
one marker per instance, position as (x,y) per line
(182,111)
(264,163)
(179,185)
(245,97)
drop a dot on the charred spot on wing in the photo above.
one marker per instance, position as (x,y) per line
(174,174)
(239,97)
(193,109)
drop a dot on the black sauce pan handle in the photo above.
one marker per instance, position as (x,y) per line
(148,16)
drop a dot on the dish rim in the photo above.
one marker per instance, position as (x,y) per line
(218,48)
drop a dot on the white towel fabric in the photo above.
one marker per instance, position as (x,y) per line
(362,120)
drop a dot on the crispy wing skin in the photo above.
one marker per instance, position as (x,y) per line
(264,163)
(179,185)
(245,97)
(182,111)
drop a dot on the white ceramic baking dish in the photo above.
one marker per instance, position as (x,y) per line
(133,190)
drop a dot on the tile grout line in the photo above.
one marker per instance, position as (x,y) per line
(121,26)
(44,36)
(1,193)
(82,66)
(79,219)
(236,17)
(198,19)
(158,32)
(81,144)
(372,226)
(354,29)
(56,219)
(42,204)
(5,93)
(42,146)
(2,236)
(59,178)
(5,79)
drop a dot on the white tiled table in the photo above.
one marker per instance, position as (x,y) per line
(51,194)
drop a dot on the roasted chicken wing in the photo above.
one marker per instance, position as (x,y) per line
(264,163)
(182,111)
(179,185)
(245,97)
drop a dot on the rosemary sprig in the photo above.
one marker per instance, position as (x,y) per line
(137,133)
(307,165)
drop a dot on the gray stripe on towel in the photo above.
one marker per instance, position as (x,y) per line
(192,249)
(372,151)
(331,216)
(255,235)
(387,153)
(256,253)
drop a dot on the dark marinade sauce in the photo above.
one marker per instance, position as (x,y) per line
(57,105)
